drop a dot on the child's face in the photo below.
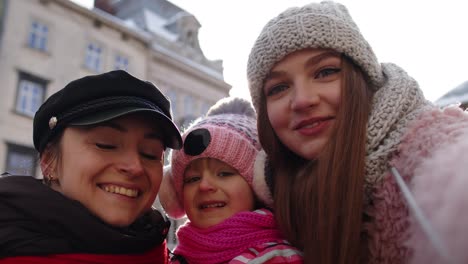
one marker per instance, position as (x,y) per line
(214,191)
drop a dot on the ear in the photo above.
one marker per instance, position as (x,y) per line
(48,162)
(259,183)
(168,196)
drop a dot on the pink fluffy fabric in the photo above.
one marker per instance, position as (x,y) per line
(440,187)
(430,160)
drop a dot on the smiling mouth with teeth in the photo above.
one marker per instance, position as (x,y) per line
(120,190)
(213,205)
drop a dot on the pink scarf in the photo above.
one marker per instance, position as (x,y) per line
(222,242)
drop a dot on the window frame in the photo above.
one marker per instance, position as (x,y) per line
(38,39)
(90,59)
(34,82)
(117,62)
(13,148)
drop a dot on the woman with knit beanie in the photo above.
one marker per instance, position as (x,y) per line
(212,180)
(345,136)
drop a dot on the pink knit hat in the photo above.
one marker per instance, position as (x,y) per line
(227,133)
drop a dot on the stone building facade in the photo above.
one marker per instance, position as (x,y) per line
(44,44)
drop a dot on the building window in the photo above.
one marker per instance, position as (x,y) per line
(20,160)
(30,94)
(121,63)
(93,60)
(38,36)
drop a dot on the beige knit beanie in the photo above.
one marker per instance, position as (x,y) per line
(317,25)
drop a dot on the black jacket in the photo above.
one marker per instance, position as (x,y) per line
(36,220)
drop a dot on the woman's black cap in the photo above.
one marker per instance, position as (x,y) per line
(97,98)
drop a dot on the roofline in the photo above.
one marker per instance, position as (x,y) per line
(199,70)
(157,51)
(95,14)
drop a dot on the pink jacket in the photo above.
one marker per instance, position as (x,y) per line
(431,159)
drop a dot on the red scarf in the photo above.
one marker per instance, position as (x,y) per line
(222,242)
(157,255)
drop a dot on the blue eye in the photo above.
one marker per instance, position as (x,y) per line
(326,72)
(276,89)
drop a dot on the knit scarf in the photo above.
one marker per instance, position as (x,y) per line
(222,242)
(394,105)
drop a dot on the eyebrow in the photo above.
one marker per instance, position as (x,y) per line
(322,56)
(311,61)
(120,128)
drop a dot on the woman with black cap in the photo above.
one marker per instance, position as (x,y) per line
(101,141)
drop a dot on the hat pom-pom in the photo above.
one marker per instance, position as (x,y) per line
(168,197)
(232,105)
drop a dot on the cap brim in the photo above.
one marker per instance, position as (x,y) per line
(172,135)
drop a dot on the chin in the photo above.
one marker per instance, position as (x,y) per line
(309,152)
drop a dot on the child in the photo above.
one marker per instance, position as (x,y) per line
(212,180)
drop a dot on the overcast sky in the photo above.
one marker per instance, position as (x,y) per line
(429,39)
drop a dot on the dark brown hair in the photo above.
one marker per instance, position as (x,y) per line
(319,204)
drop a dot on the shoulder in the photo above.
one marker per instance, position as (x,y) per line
(431,158)
(439,187)
(435,126)
(18,186)
(272,252)
(432,130)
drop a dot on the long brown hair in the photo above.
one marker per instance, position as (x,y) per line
(319,204)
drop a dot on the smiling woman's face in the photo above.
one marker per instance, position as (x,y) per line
(302,94)
(114,168)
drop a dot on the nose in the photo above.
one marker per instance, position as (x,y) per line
(130,164)
(304,96)
(207,183)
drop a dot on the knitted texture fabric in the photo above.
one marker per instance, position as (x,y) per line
(326,25)
(430,160)
(394,106)
(226,240)
(228,133)
(440,190)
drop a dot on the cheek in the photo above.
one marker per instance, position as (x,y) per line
(188,195)
(248,201)
(334,96)
(156,178)
(276,115)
